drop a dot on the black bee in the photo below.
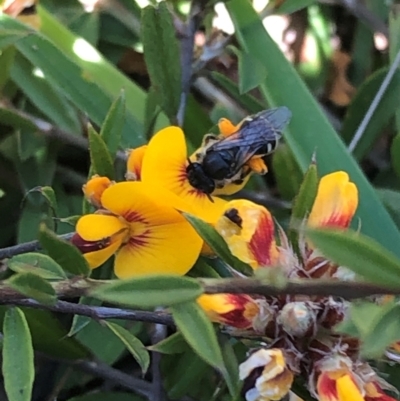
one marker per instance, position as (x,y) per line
(223,161)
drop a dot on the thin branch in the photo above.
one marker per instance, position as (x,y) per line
(25,247)
(343,289)
(377,99)
(187,48)
(96,312)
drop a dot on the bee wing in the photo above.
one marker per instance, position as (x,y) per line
(257,130)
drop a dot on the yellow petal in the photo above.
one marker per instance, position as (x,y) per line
(347,390)
(336,201)
(226,127)
(164,165)
(94,188)
(147,200)
(103,233)
(166,247)
(134,163)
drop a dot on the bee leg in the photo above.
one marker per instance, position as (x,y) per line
(226,128)
(208,139)
(258,165)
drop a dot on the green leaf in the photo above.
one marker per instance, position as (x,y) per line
(287,172)
(174,344)
(18,367)
(231,373)
(162,55)
(11,36)
(79,321)
(395,153)
(7,57)
(38,264)
(50,196)
(385,331)
(199,333)
(217,243)
(359,253)
(133,344)
(309,130)
(303,202)
(360,104)
(251,71)
(100,157)
(63,252)
(149,291)
(111,129)
(33,286)
(391,200)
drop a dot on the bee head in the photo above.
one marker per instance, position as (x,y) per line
(198,178)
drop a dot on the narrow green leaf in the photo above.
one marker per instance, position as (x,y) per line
(162,55)
(231,373)
(309,130)
(100,156)
(287,172)
(38,264)
(149,291)
(394,41)
(33,286)
(303,202)
(63,252)
(360,104)
(18,367)
(359,253)
(174,344)
(251,71)
(108,396)
(199,333)
(217,243)
(151,112)
(133,344)
(391,200)
(111,129)
(395,153)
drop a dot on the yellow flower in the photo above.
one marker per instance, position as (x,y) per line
(236,310)
(337,382)
(94,188)
(336,201)
(134,163)
(248,229)
(139,223)
(164,165)
(273,380)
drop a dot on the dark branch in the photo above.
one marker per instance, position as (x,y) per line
(26,247)
(96,312)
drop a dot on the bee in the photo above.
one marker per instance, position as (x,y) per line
(225,160)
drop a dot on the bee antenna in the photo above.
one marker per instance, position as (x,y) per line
(189,161)
(210,198)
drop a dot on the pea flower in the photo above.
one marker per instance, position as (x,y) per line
(164,165)
(94,188)
(266,375)
(134,163)
(138,223)
(236,310)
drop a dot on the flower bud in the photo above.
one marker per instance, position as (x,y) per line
(94,188)
(298,318)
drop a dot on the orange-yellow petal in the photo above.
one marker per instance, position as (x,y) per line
(336,201)
(94,188)
(99,237)
(164,165)
(251,237)
(134,163)
(169,247)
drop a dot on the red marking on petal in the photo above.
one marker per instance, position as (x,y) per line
(133,216)
(237,316)
(263,241)
(139,240)
(337,220)
(90,246)
(326,388)
(375,393)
